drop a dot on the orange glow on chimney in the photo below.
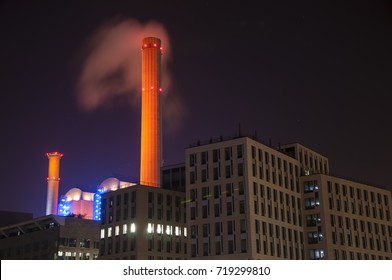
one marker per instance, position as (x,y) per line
(150,157)
(53,182)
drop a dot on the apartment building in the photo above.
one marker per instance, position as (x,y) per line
(50,238)
(248,200)
(143,222)
(344,219)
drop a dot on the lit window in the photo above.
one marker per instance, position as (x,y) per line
(125,228)
(110,232)
(102,233)
(169,230)
(117,230)
(178,231)
(133,227)
(60,253)
(159,229)
(150,228)
(67,254)
(185,231)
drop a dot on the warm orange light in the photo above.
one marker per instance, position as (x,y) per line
(53,182)
(150,157)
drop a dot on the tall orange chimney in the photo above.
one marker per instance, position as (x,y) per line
(53,182)
(150,152)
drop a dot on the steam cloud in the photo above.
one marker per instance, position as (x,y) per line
(112,68)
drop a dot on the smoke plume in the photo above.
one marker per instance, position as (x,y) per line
(111,68)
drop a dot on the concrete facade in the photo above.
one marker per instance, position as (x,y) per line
(344,219)
(247,200)
(142,222)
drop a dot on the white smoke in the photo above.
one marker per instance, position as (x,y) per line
(112,68)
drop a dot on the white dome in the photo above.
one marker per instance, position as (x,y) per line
(89,196)
(110,184)
(73,194)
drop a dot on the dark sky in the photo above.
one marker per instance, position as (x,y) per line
(313,72)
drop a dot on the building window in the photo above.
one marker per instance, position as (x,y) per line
(217,210)
(240,169)
(310,203)
(316,254)
(310,186)
(192,177)
(217,248)
(243,226)
(133,228)
(229,189)
(240,149)
(216,173)
(193,212)
(205,193)
(150,228)
(193,195)
(228,153)
(229,208)
(218,228)
(217,191)
(205,249)
(215,155)
(206,230)
(230,227)
(241,189)
(243,246)
(242,207)
(228,171)
(205,211)
(231,246)
(204,175)
(192,159)
(204,157)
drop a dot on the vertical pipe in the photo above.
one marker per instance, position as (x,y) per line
(53,182)
(150,150)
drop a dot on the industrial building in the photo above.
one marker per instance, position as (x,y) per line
(234,198)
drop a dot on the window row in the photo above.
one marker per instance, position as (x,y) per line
(218,229)
(205,156)
(151,229)
(217,191)
(279,250)
(228,209)
(359,209)
(217,247)
(350,255)
(367,195)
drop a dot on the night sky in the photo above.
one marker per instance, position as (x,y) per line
(313,72)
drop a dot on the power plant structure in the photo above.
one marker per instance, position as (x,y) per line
(151,137)
(87,205)
(233,198)
(53,182)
